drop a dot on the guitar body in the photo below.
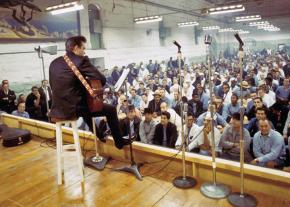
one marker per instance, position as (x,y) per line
(95,104)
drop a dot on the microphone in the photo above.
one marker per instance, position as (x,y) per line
(176,43)
(237,36)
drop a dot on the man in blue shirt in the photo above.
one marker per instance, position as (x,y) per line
(230,109)
(135,99)
(268,146)
(283,92)
(21,111)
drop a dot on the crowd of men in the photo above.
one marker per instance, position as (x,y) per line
(150,109)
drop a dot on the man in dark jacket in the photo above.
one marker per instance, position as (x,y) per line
(154,104)
(68,93)
(7,98)
(165,132)
(195,105)
(45,98)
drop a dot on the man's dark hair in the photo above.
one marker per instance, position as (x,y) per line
(165,113)
(235,95)
(43,81)
(4,81)
(148,111)
(226,84)
(236,116)
(260,109)
(74,41)
(34,87)
(258,98)
(20,102)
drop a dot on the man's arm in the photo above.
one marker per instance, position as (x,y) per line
(142,133)
(256,146)
(224,140)
(225,113)
(150,136)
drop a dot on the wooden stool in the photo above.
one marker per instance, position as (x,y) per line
(60,148)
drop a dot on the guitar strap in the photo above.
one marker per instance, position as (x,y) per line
(79,75)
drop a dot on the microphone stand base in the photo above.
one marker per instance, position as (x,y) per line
(215,190)
(242,200)
(134,169)
(184,182)
(99,163)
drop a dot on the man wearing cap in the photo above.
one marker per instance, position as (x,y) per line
(165,132)
(154,104)
(147,127)
(130,124)
(246,91)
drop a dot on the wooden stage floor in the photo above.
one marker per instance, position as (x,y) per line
(28,178)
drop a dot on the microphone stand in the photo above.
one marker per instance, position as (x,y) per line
(98,162)
(212,189)
(134,167)
(182,181)
(239,199)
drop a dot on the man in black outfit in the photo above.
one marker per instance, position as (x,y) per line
(165,132)
(195,105)
(7,98)
(69,95)
(32,103)
(45,95)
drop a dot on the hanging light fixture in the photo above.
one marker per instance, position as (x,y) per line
(65,8)
(148,19)
(226,9)
(248,18)
(187,24)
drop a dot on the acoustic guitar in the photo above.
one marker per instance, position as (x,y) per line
(95,103)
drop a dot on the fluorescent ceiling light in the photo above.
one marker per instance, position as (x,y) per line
(248,18)
(142,20)
(211,28)
(226,9)
(253,24)
(226,30)
(65,8)
(187,24)
(240,31)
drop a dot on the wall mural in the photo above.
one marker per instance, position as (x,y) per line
(22,20)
